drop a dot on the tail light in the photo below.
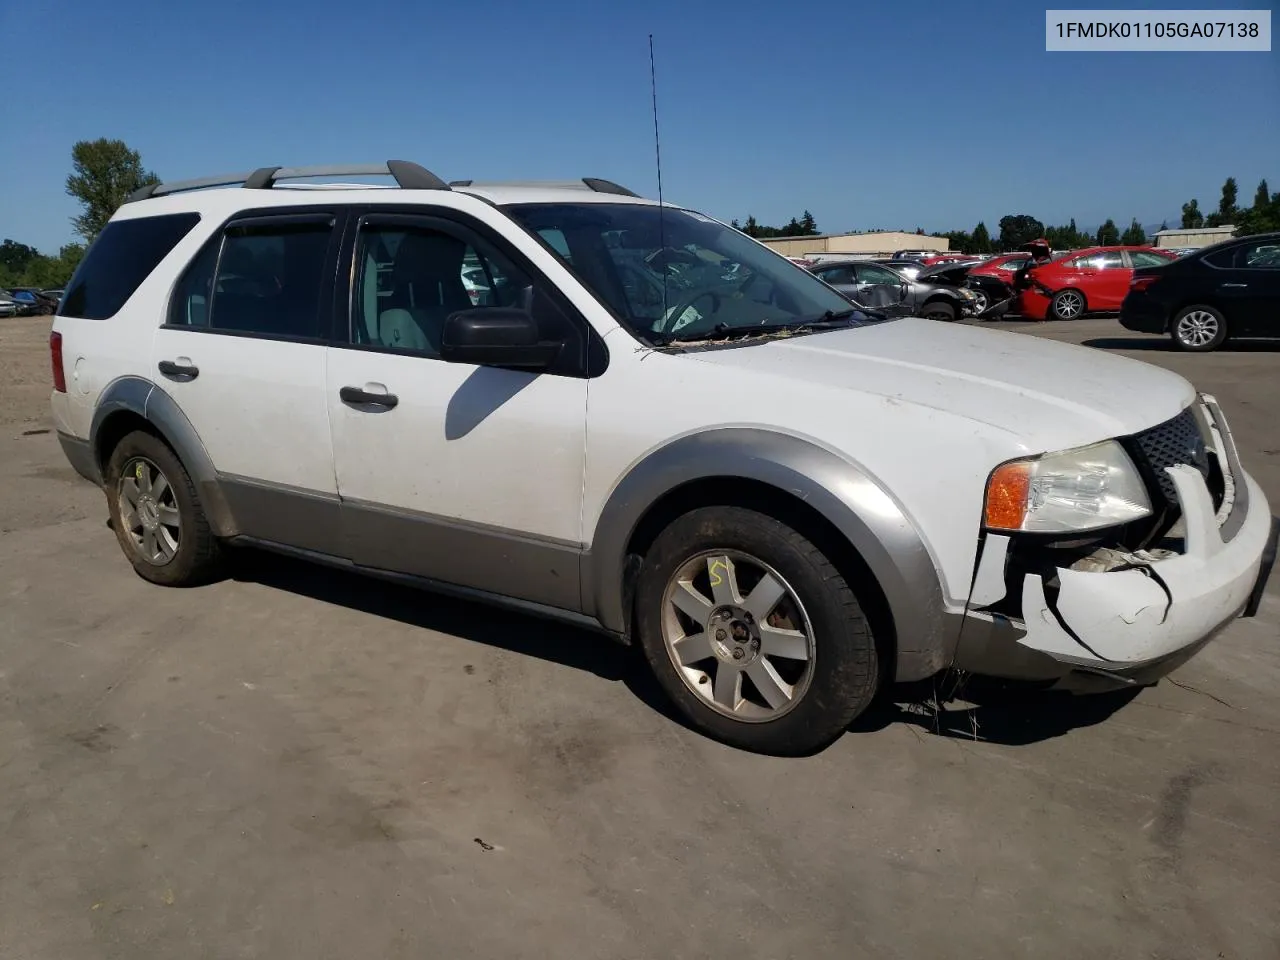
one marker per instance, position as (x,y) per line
(1137,284)
(55,357)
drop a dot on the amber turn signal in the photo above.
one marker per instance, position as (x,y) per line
(1007,496)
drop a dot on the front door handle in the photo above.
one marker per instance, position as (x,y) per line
(364,398)
(181,372)
(1234,286)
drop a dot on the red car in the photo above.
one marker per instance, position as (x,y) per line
(1086,281)
(1002,267)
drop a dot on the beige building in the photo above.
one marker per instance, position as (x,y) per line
(1195,237)
(856,244)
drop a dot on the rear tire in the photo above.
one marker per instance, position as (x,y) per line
(1067,305)
(730,596)
(1198,328)
(939,310)
(157,516)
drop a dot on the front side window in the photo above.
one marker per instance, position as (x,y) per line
(410,277)
(668,273)
(122,256)
(870,273)
(262,278)
(1013,266)
(1260,256)
(836,275)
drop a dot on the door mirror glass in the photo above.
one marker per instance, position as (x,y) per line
(496,337)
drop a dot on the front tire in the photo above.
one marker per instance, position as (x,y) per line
(156,514)
(753,633)
(1198,329)
(939,310)
(1067,305)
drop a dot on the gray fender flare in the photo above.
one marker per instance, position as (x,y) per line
(873,523)
(140,396)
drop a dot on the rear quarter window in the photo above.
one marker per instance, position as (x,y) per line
(122,256)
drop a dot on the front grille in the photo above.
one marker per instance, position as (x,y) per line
(1171,443)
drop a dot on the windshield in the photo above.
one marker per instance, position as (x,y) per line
(681,275)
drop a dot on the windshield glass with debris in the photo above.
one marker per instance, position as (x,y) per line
(680,276)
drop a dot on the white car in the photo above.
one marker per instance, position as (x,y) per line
(786,503)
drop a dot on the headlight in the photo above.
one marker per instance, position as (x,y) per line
(1078,490)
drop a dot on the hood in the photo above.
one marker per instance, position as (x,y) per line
(948,273)
(1048,395)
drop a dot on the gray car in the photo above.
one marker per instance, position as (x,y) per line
(880,288)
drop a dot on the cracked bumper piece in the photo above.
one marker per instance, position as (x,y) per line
(1093,630)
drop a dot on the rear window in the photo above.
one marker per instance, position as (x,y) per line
(122,257)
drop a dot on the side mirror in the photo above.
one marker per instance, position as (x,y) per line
(496,337)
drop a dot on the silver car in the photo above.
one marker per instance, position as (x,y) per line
(877,287)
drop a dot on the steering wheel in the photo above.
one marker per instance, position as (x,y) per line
(683,305)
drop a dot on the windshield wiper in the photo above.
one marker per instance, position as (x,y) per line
(829,320)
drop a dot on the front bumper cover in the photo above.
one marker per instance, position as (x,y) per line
(1138,622)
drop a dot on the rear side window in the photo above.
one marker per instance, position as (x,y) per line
(263,278)
(1141,258)
(122,257)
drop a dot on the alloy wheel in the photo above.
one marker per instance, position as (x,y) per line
(149,511)
(1197,328)
(738,635)
(1069,305)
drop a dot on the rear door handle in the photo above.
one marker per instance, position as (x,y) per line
(181,372)
(364,398)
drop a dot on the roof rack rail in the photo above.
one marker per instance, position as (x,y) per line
(408,176)
(589,183)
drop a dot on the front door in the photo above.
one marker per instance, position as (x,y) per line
(470,475)
(1109,283)
(882,289)
(1250,289)
(243,355)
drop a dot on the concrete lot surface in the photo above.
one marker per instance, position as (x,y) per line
(300,763)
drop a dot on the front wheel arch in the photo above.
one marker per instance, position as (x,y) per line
(787,509)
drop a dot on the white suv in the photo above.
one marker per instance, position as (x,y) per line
(650,423)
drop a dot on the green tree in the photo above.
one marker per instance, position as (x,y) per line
(104,173)
(15,257)
(1134,235)
(1192,218)
(1019,229)
(808,226)
(1108,235)
(1226,208)
(1164,224)
(959,240)
(1262,199)
(981,239)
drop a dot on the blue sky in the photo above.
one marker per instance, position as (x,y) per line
(932,114)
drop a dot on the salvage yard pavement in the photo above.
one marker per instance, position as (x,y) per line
(300,763)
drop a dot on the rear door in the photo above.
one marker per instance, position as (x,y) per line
(243,355)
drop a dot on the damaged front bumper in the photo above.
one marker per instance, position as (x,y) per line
(1117,616)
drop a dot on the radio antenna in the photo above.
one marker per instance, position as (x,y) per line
(657,154)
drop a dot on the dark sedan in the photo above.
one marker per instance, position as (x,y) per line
(1231,289)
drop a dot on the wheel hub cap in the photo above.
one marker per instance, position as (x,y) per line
(735,640)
